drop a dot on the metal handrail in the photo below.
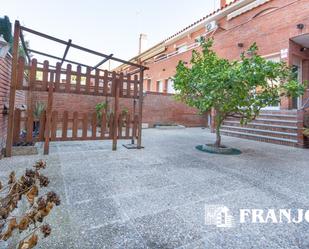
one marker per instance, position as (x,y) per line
(306,105)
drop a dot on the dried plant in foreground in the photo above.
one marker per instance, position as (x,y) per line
(30,225)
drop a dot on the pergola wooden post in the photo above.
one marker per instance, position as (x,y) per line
(140,108)
(48,114)
(9,139)
(116,110)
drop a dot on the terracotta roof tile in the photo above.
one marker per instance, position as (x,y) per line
(200,20)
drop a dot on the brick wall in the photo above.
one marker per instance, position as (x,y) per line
(5,70)
(161,108)
(21,97)
(157,108)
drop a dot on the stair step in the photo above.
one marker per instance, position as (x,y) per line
(278,116)
(260,131)
(279,122)
(283,112)
(276,120)
(262,124)
(262,138)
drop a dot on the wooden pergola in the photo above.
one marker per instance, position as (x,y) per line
(99,83)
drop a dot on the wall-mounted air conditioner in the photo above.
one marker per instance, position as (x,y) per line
(211,26)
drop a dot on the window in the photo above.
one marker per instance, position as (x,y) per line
(182,48)
(277,106)
(198,39)
(159,86)
(273,58)
(170,86)
(160,57)
(149,85)
(165,86)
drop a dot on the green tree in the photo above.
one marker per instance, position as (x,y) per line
(233,88)
(99,108)
(6,31)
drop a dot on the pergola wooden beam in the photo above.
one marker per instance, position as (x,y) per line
(43,35)
(66,51)
(57,58)
(103,61)
(42,64)
(81,48)
(24,45)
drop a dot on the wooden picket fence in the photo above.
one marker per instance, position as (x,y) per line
(99,83)
(76,127)
(65,126)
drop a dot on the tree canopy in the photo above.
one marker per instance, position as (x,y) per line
(233,88)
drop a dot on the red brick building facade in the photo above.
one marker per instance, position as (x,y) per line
(279,27)
(272,24)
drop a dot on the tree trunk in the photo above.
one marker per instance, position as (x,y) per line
(218,136)
(219,120)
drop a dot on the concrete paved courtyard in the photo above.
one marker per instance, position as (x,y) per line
(156,197)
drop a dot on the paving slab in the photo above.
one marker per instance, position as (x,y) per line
(165,230)
(116,236)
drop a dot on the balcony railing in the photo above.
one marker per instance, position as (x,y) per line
(172,54)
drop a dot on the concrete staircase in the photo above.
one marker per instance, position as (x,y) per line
(279,127)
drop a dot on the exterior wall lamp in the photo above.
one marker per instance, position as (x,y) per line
(300,26)
(4,47)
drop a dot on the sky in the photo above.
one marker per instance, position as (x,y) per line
(111,26)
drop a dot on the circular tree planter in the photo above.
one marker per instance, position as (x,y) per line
(223,150)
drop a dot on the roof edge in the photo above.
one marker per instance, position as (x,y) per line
(219,13)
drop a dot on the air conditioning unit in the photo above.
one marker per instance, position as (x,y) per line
(211,26)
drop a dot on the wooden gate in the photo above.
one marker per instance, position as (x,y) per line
(66,126)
